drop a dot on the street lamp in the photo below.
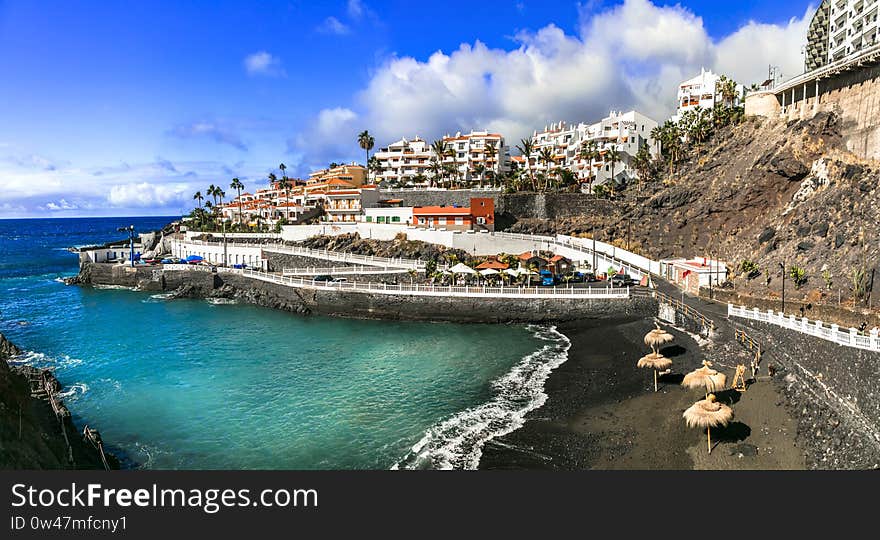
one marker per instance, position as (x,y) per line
(782,267)
(130,230)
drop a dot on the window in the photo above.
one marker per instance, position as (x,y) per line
(481,220)
(459,221)
(395,219)
(380,219)
(441,221)
(421,221)
(369,219)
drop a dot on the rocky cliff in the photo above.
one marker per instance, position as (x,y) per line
(765,191)
(32,435)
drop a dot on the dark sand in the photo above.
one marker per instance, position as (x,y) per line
(602,413)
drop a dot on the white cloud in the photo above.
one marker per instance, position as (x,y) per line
(629,56)
(356,9)
(211,130)
(332,25)
(263,63)
(148,195)
(62,204)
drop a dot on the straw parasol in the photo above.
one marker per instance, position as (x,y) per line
(708,413)
(705,377)
(655,361)
(657,337)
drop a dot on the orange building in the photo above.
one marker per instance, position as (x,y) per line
(479,216)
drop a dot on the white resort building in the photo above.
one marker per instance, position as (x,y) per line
(701,91)
(404,160)
(627,132)
(839,29)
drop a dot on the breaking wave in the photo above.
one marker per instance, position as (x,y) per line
(457,442)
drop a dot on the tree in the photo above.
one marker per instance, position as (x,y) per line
(643,165)
(238,186)
(491,153)
(479,169)
(366,142)
(435,168)
(526,147)
(545,155)
(612,156)
(212,192)
(198,197)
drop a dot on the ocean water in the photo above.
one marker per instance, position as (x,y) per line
(193,384)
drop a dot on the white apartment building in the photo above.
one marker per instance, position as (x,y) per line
(701,91)
(468,151)
(404,160)
(627,132)
(839,29)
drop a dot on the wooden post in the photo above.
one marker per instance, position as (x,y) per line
(655,380)
(709,439)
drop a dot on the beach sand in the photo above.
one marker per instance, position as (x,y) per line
(602,413)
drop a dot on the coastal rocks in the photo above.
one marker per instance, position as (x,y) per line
(7,350)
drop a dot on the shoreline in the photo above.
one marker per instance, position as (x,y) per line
(601,412)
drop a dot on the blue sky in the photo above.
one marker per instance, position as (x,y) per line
(121,108)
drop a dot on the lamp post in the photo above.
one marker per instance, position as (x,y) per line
(782,267)
(130,230)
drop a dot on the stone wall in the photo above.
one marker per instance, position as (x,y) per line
(433,308)
(516,205)
(367,305)
(833,392)
(853,95)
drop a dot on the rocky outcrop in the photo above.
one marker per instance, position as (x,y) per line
(33,433)
(400,247)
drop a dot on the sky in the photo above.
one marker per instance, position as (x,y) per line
(129,108)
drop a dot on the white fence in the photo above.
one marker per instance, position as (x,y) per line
(343,270)
(187,267)
(444,291)
(849,337)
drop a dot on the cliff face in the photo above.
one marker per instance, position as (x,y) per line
(32,436)
(765,191)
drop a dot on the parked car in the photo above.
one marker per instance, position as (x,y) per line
(577,277)
(547,278)
(340,280)
(590,277)
(323,277)
(622,280)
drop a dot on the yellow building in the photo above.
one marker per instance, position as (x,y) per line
(354,175)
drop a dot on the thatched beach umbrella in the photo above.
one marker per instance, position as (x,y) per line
(657,337)
(655,361)
(706,378)
(708,413)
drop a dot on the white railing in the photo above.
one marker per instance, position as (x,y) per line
(443,290)
(485,188)
(187,267)
(850,337)
(343,270)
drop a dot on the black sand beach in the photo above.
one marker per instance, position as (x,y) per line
(602,413)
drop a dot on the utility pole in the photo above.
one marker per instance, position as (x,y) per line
(130,230)
(595,261)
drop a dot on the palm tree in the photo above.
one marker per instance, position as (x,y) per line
(612,156)
(526,147)
(366,141)
(491,153)
(589,152)
(643,165)
(546,156)
(198,197)
(212,192)
(435,169)
(238,186)
(479,169)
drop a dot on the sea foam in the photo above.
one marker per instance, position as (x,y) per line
(457,442)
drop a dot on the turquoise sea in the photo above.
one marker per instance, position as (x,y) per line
(190,384)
